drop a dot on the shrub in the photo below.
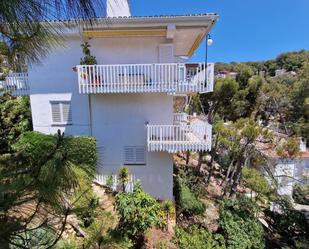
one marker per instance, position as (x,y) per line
(67,244)
(15,119)
(301,194)
(197,238)
(239,226)
(82,150)
(291,224)
(188,201)
(137,212)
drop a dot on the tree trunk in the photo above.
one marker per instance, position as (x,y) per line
(212,166)
(234,186)
(187,157)
(227,173)
(229,182)
(200,161)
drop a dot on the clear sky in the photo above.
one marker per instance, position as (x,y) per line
(247,30)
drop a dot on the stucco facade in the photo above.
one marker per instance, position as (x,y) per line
(118,121)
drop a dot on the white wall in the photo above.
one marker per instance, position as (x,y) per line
(120,120)
(117,120)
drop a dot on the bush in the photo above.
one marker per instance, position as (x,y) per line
(239,226)
(82,150)
(67,244)
(292,225)
(15,119)
(137,212)
(188,201)
(197,238)
(301,194)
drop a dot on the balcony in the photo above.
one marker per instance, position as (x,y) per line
(188,133)
(16,83)
(145,78)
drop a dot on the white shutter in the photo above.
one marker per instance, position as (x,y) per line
(56,113)
(66,112)
(61,112)
(134,155)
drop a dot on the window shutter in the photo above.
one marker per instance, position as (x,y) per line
(61,112)
(56,114)
(129,157)
(66,113)
(134,155)
(140,155)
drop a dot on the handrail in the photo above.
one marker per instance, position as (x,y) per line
(136,78)
(16,83)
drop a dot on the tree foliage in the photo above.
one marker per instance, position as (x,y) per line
(197,238)
(137,212)
(41,171)
(239,225)
(255,180)
(15,119)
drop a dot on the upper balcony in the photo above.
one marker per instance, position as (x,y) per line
(188,133)
(16,83)
(168,78)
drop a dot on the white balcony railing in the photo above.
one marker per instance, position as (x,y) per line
(139,78)
(195,136)
(114,183)
(16,83)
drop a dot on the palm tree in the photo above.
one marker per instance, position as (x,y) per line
(123,177)
(168,209)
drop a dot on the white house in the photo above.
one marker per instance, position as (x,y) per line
(126,101)
(287,171)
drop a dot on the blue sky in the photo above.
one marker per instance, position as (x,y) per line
(248,30)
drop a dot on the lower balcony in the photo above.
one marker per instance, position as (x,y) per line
(168,78)
(15,83)
(186,134)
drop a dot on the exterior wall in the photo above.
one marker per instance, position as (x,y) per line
(291,172)
(115,120)
(120,120)
(54,79)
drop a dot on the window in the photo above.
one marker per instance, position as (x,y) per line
(134,155)
(61,112)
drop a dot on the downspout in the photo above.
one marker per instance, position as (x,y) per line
(90,114)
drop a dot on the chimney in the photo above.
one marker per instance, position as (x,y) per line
(117,8)
(302,145)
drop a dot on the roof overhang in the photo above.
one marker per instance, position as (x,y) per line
(185,32)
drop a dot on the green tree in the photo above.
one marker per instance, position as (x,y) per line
(239,225)
(123,177)
(254,180)
(239,140)
(25,31)
(137,212)
(41,171)
(15,119)
(168,209)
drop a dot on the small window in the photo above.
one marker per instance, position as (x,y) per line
(61,112)
(134,155)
